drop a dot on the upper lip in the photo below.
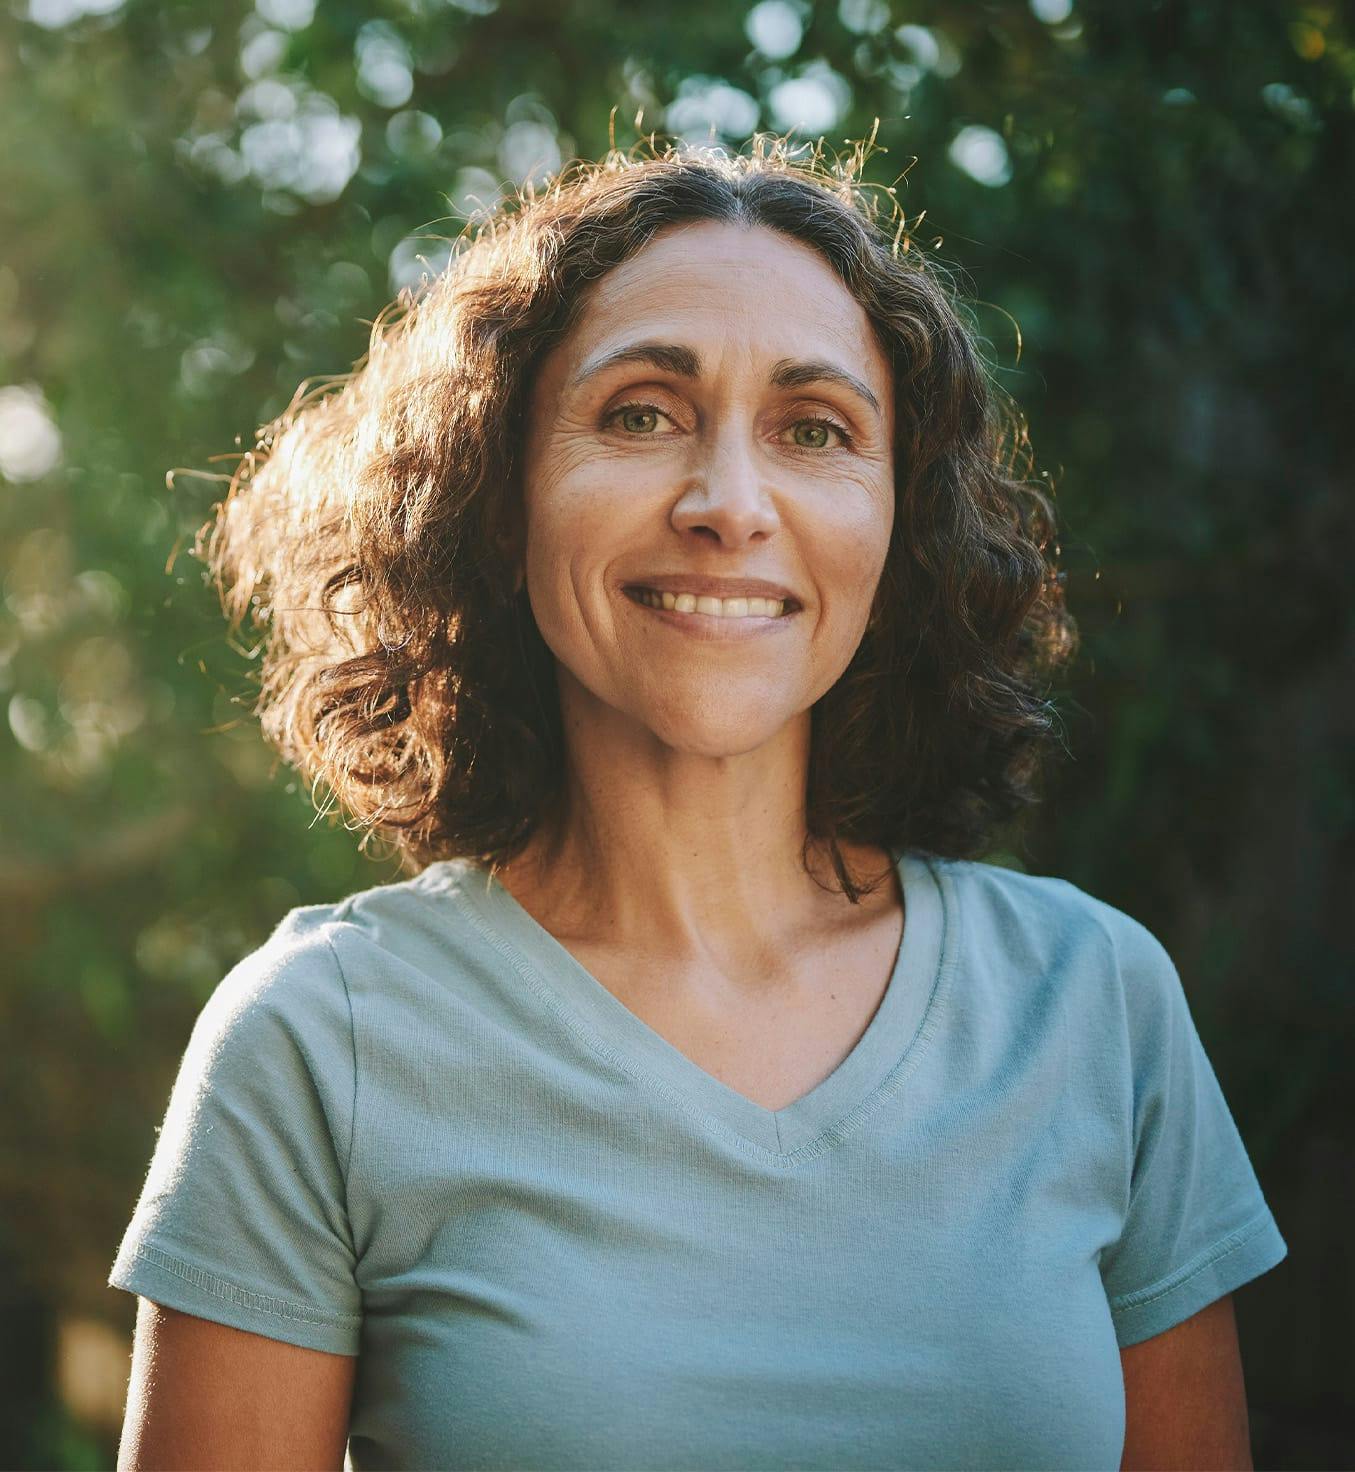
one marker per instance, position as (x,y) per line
(704,587)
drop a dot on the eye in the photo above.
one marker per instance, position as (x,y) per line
(636,419)
(820,429)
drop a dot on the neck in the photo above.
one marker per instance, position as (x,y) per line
(681,854)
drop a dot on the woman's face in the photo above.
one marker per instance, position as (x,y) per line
(720,418)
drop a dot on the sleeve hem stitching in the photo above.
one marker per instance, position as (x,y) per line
(1220,1249)
(243,1297)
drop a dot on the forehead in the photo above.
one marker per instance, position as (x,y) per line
(712,280)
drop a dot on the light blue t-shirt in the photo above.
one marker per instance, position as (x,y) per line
(413,1128)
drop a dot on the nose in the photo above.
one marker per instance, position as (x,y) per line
(726,497)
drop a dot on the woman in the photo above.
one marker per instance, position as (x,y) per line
(703,1099)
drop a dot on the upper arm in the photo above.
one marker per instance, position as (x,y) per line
(1185,1400)
(204,1395)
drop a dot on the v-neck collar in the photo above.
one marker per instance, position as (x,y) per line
(884,1054)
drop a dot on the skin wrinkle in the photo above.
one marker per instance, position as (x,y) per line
(682,361)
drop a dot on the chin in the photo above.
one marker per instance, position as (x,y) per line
(732,732)
(716,746)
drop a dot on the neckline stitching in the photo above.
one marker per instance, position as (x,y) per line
(832,1134)
(523,967)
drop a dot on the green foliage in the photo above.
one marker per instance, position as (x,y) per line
(204,204)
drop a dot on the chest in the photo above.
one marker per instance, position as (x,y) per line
(654,1299)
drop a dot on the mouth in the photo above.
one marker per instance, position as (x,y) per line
(689,605)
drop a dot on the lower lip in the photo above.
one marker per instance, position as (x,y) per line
(710,625)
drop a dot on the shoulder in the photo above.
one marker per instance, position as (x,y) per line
(294,980)
(294,967)
(285,996)
(322,960)
(1050,922)
(1025,903)
(301,962)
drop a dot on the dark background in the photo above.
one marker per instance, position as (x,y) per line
(201,204)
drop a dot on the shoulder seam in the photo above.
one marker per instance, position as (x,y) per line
(353,1045)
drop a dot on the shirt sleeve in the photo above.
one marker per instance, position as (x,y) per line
(1196,1226)
(243,1215)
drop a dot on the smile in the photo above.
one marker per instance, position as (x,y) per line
(689,605)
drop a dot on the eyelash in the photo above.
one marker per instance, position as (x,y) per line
(838,429)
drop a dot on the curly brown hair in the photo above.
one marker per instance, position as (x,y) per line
(364,537)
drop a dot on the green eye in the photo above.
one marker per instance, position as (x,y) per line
(639,421)
(813,427)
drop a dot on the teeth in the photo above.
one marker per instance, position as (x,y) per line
(715,607)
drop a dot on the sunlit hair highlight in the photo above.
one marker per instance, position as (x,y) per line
(367,537)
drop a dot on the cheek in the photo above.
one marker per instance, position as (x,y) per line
(574,490)
(850,557)
(571,535)
(577,527)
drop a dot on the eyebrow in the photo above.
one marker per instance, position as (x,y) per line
(685,363)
